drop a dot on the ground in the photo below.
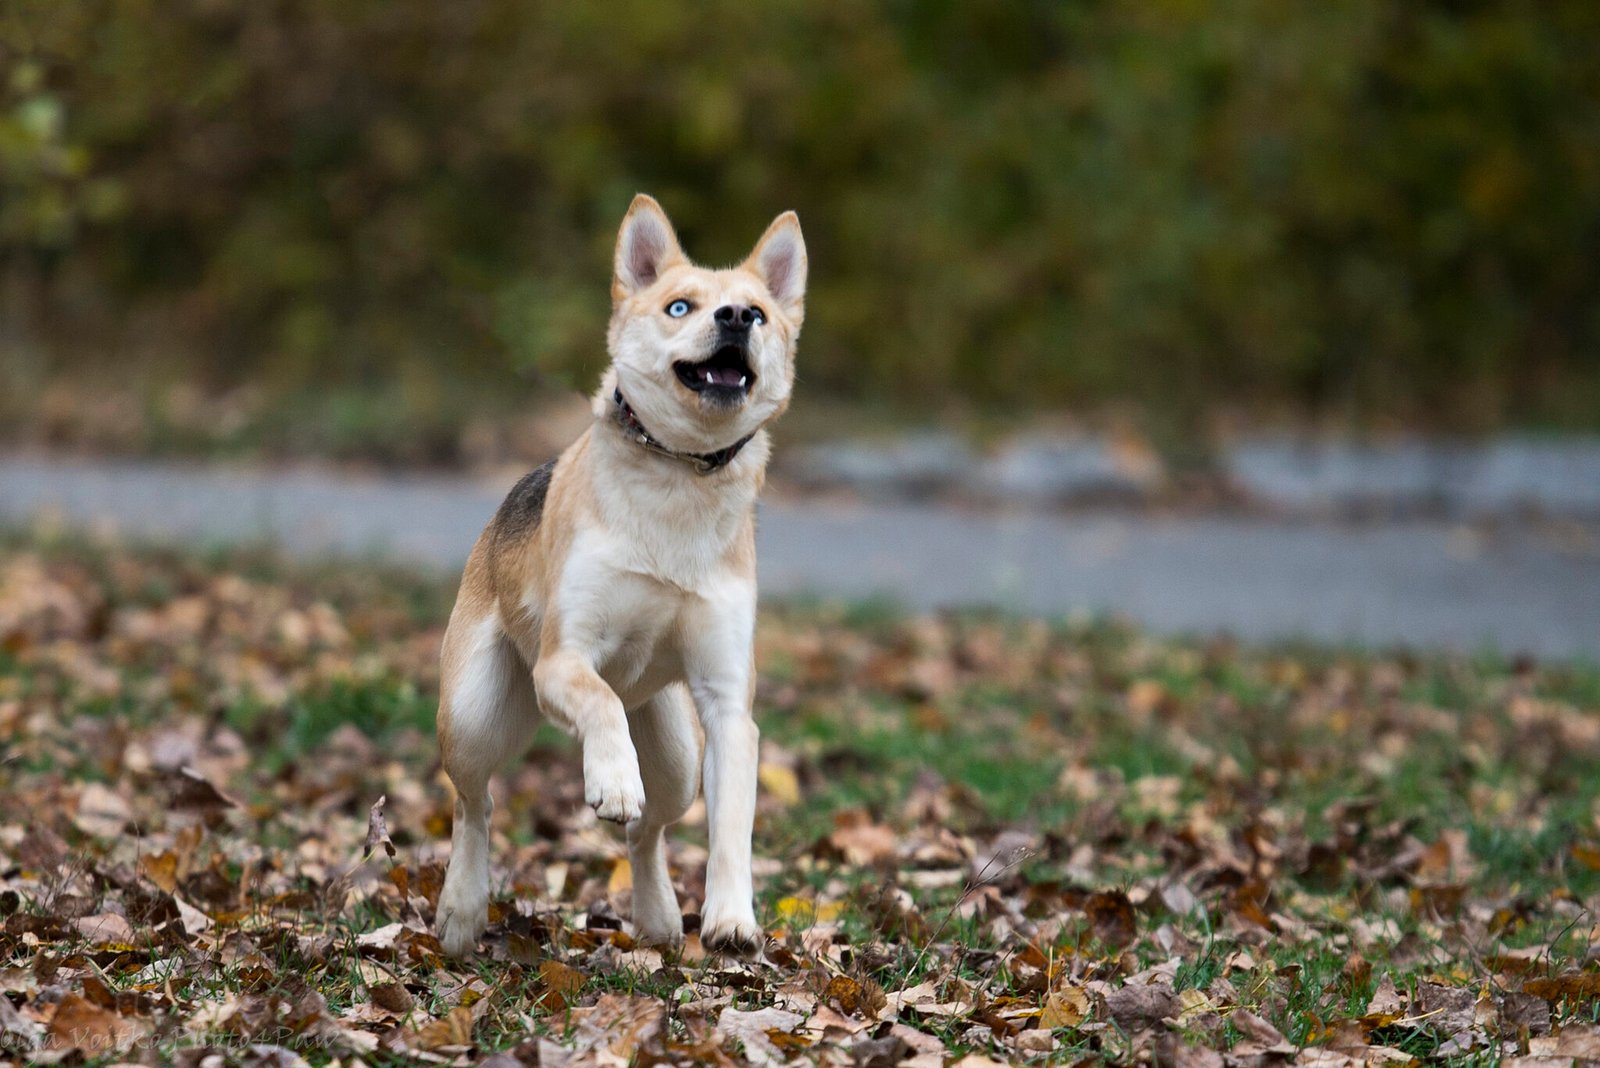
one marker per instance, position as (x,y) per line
(222,830)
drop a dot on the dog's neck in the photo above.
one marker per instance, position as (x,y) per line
(703,463)
(679,522)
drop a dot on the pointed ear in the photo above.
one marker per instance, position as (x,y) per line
(646,246)
(779,259)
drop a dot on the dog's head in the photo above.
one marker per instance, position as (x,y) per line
(704,357)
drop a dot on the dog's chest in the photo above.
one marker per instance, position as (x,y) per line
(623,617)
(637,645)
(678,532)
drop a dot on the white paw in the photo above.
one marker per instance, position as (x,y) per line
(612,786)
(734,934)
(660,937)
(459,923)
(656,924)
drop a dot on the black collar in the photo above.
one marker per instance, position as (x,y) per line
(703,463)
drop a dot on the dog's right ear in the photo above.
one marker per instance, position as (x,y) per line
(646,246)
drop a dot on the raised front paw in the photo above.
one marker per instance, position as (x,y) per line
(736,936)
(612,786)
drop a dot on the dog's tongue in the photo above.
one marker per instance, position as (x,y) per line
(721,376)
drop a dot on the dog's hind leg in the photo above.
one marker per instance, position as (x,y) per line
(486,715)
(664,734)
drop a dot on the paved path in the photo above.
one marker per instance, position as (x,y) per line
(1421,583)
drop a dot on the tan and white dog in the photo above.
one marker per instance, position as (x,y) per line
(615,589)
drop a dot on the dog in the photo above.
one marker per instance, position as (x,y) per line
(615,588)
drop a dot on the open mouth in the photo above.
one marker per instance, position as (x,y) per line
(724,374)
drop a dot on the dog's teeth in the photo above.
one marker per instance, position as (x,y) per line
(741,381)
(709,378)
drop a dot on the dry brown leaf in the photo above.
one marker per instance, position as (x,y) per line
(79,1024)
(161,869)
(1111,918)
(454,1028)
(1067,1007)
(621,876)
(854,997)
(859,841)
(751,1029)
(1579,1040)
(190,791)
(780,783)
(105,929)
(926,1051)
(17,1032)
(923,999)
(1386,1000)
(978,1060)
(377,831)
(1258,1029)
(391,997)
(558,983)
(101,811)
(1136,1008)
(619,1027)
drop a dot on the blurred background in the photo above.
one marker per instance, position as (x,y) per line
(1255,259)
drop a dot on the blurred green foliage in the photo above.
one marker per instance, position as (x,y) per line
(1377,208)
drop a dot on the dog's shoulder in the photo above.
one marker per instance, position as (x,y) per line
(523,509)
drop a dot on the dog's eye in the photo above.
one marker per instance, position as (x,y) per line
(761,316)
(679,308)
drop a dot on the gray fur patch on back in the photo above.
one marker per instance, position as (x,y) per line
(523,508)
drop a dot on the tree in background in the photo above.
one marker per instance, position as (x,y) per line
(1372,209)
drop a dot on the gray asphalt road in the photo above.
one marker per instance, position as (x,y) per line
(1425,584)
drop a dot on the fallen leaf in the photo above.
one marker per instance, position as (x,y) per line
(391,997)
(803,912)
(101,811)
(377,832)
(1386,1000)
(855,997)
(621,877)
(17,1032)
(558,982)
(1067,1007)
(79,1024)
(192,792)
(1135,1008)
(781,783)
(454,1028)
(618,1027)
(859,841)
(161,869)
(751,1030)
(107,928)
(1111,918)
(924,1000)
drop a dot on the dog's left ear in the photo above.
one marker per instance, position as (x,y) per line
(646,246)
(779,260)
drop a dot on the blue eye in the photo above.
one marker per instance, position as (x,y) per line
(678,309)
(761,316)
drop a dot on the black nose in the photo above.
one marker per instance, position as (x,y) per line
(735,317)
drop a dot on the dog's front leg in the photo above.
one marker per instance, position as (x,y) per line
(575,697)
(721,677)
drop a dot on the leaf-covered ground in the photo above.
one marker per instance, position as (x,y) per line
(222,831)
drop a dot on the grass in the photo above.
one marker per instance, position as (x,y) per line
(1276,827)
